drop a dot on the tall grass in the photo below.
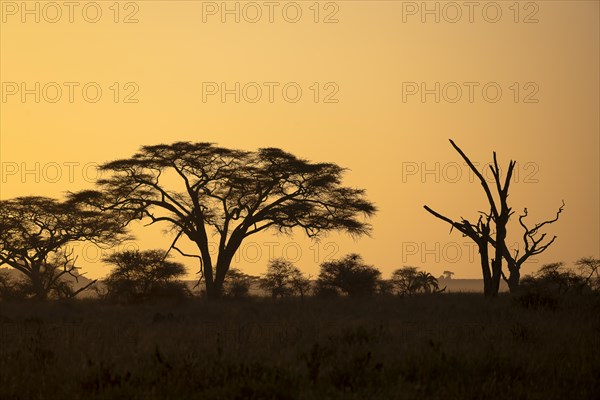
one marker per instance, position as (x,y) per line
(450,346)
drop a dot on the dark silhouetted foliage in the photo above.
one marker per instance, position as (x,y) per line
(348,275)
(12,289)
(425,347)
(589,268)
(284,279)
(447,275)
(142,275)
(53,277)
(409,281)
(554,279)
(237,284)
(552,282)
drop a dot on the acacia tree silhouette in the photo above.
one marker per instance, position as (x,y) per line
(499,214)
(34,231)
(232,193)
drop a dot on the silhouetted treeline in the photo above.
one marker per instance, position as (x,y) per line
(234,194)
(149,275)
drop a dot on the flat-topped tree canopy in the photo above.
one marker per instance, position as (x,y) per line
(201,188)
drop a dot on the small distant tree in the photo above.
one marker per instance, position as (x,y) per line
(447,274)
(348,275)
(283,279)
(300,284)
(237,284)
(589,267)
(428,283)
(409,281)
(404,280)
(142,275)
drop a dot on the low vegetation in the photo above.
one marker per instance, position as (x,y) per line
(142,275)
(450,346)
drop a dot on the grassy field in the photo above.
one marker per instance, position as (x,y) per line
(448,346)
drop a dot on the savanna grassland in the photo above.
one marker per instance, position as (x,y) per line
(444,346)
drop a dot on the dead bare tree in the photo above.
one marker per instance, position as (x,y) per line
(480,234)
(533,244)
(499,214)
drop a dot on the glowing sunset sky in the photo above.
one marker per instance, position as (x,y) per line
(367,116)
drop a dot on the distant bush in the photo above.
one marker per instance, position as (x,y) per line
(348,275)
(10,288)
(237,284)
(284,279)
(385,287)
(141,275)
(552,281)
(410,281)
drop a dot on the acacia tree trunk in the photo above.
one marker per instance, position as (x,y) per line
(214,288)
(216,291)
(39,290)
(214,283)
(226,253)
(207,268)
(209,283)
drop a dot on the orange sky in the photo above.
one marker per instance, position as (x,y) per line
(374,58)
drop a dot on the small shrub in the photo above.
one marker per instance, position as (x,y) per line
(409,281)
(142,275)
(284,279)
(537,300)
(237,284)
